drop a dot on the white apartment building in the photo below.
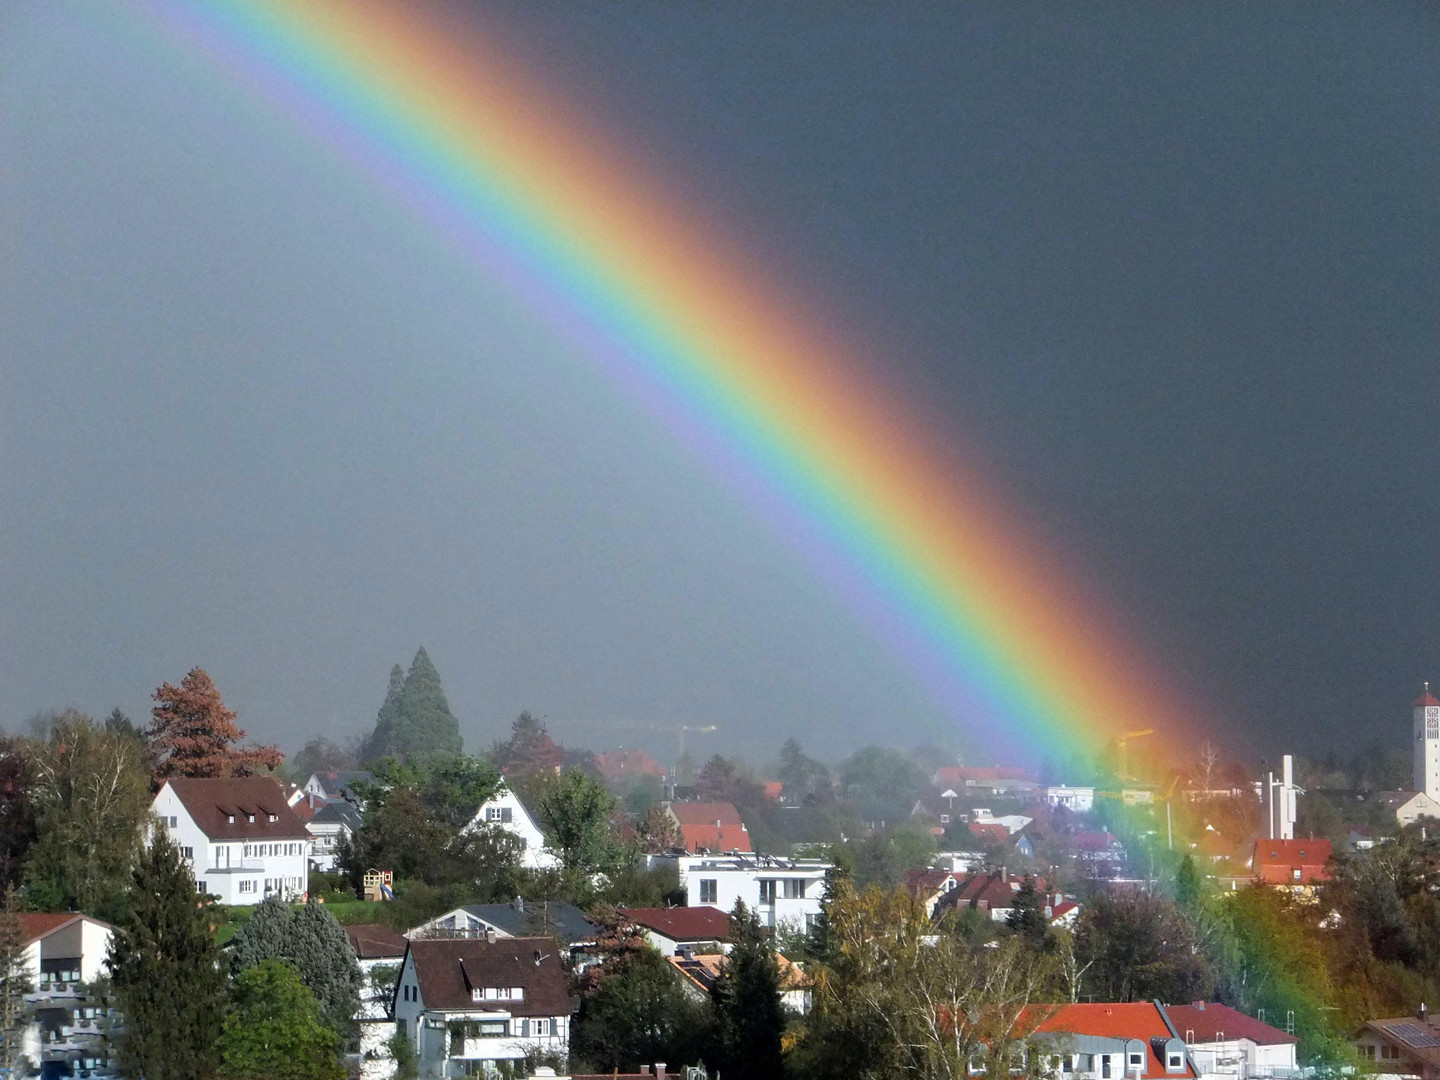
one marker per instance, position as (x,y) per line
(779,891)
(470,1004)
(1224,1042)
(241,838)
(1079,799)
(505,810)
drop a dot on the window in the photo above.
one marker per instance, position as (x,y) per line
(767,890)
(493,1027)
(1104,1067)
(274,817)
(794,888)
(247,886)
(502,814)
(1067,1063)
(709,891)
(188,853)
(200,887)
(1174,1061)
(539,1027)
(172,821)
(1295,874)
(250,818)
(1137,1061)
(944,819)
(1390,1052)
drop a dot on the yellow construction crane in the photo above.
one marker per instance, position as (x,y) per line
(1124,746)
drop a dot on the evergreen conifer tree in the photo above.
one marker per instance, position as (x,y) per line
(1027,916)
(415,719)
(15,983)
(313,941)
(166,973)
(749,1019)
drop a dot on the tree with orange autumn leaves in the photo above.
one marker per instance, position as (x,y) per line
(193,734)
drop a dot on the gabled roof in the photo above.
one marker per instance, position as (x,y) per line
(1276,861)
(711,826)
(703,969)
(520,918)
(35,925)
(923,884)
(625,762)
(448,969)
(338,812)
(682,924)
(222,808)
(1209,1021)
(1421,1038)
(371,941)
(336,783)
(1141,1020)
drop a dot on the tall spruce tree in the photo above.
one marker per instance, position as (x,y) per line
(15,983)
(415,720)
(749,1018)
(165,969)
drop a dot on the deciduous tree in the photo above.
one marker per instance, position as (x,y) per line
(575,811)
(91,795)
(15,983)
(192,733)
(165,969)
(274,1029)
(17,808)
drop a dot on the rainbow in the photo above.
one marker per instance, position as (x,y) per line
(609,256)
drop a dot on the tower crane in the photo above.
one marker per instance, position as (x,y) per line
(680,731)
(1124,747)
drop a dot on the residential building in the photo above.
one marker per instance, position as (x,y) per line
(1401,1045)
(713,827)
(1225,1042)
(470,1004)
(334,785)
(241,839)
(997,778)
(1080,800)
(1296,863)
(682,929)
(331,824)
(929,886)
(993,894)
(1109,1041)
(504,810)
(700,971)
(1410,806)
(626,765)
(779,891)
(72,1031)
(564,922)
(380,951)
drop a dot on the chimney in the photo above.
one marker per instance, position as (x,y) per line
(1424,1013)
(490,935)
(519,903)
(1004,874)
(660,1070)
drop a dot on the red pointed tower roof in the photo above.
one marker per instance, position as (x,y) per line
(1425,699)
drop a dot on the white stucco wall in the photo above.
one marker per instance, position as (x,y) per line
(492,812)
(236,871)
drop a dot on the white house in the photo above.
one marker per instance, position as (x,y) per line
(333,785)
(505,810)
(64,954)
(379,951)
(331,823)
(243,841)
(469,1004)
(778,890)
(1225,1042)
(1079,799)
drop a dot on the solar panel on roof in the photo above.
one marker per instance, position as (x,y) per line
(1414,1035)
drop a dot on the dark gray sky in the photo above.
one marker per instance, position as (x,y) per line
(1169,271)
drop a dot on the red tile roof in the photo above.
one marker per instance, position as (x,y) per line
(1424,699)
(371,941)
(682,923)
(986,830)
(39,924)
(449,968)
(1276,861)
(1117,1020)
(213,802)
(1208,1021)
(711,826)
(625,762)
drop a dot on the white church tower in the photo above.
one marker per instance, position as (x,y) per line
(1427,744)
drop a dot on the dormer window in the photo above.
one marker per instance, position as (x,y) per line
(230,818)
(274,817)
(1137,1061)
(250,818)
(1174,1062)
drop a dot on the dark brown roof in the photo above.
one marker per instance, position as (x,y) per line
(449,968)
(371,941)
(212,802)
(1209,1021)
(682,923)
(39,924)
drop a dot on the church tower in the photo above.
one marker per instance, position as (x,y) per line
(1427,744)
